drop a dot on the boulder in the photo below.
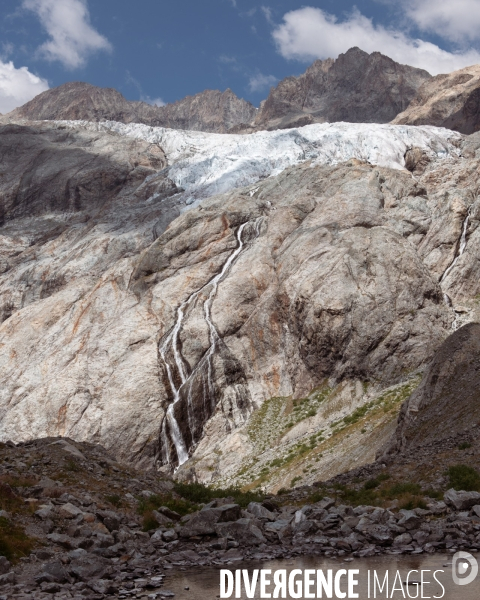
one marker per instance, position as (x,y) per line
(259,511)
(5,565)
(409,519)
(380,534)
(402,539)
(171,514)
(243,531)
(201,523)
(55,571)
(69,511)
(461,500)
(89,567)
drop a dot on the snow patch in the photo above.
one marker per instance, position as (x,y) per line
(205,164)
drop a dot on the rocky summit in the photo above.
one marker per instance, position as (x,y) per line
(356,87)
(210,110)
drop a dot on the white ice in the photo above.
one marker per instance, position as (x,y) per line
(205,164)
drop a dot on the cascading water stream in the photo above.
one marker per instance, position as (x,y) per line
(172,342)
(461,249)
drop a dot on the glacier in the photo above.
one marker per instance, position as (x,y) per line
(206,164)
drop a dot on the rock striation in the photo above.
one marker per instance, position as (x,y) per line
(357,87)
(159,331)
(451,100)
(210,110)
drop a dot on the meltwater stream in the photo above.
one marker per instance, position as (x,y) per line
(171,344)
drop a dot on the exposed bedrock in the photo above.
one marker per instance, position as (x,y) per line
(447,401)
(320,273)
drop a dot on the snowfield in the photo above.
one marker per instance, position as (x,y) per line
(205,164)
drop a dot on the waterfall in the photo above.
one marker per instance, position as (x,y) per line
(170,347)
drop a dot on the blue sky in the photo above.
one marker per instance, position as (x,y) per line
(159,50)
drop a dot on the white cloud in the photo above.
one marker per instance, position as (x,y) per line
(72,38)
(18,86)
(455,20)
(310,33)
(260,82)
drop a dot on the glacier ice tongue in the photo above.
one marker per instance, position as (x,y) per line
(205,164)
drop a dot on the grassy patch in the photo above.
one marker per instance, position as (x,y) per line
(463,477)
(198,493)
(114,499)
(384,403)
(9,501)
(14,543)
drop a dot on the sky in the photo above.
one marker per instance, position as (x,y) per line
(160,51)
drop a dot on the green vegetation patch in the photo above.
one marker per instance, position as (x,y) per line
(463,477)
(198,493)
(14,543)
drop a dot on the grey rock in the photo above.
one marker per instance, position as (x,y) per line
(437,508)
(5,565)
(62,540)
(259,511)
(201,523)
(161,519)
(243,531)
(380,534)
(55,571)
(89,567)
(461,500)
(8,578)
(171,514)
(69,511)
(409,519)
(170,535)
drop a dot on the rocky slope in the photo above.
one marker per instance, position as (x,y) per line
(451,101)
(356,87)
(76,524)
(313,295)
(210,110)
(446,401)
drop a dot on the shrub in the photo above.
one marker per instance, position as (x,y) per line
(463,477)
(199,493)
(114,499)
(371,484)
(464,445)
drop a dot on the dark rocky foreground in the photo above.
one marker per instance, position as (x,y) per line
(76,524)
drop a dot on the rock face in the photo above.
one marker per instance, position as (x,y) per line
(210,110)
(451,101)
(160,334)
(447,400)
(356,87)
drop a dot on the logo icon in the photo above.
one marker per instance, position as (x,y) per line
(464,568)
